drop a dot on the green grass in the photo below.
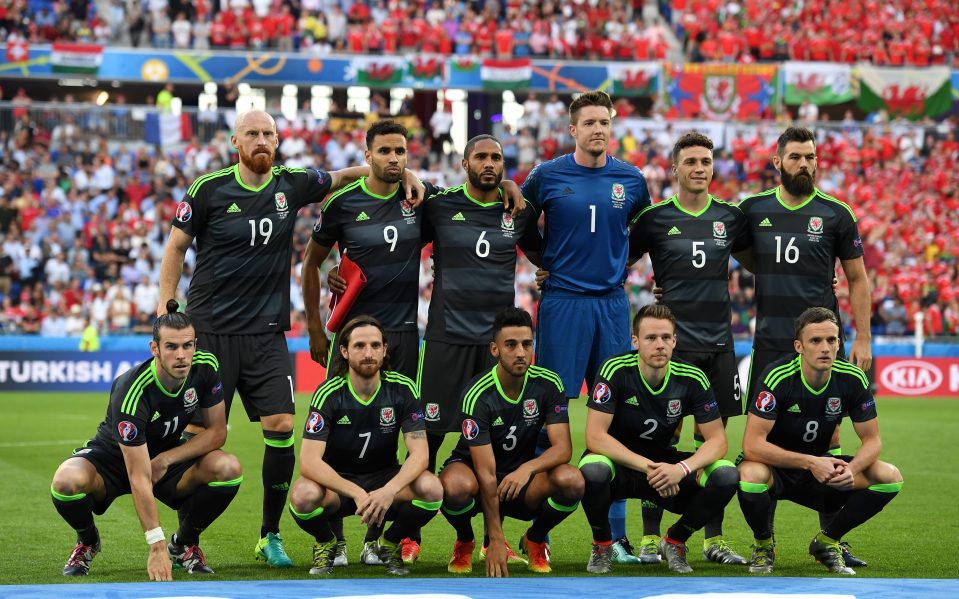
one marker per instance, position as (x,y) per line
(913,538)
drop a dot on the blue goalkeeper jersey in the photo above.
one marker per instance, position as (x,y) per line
(588,211)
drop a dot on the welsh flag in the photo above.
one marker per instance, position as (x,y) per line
(902,91)
(633,79)
(465,64)
(426,67)
(379,71)
(819,82)
(506,74)
(69,57)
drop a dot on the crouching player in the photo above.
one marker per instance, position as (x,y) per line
(637,402)
(793,414)
(503,412)
(137,450)
(348,458)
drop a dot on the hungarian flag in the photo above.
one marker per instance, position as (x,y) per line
(506,74)
(633,78)
(167,129)
(902,91)
(381,71)
(819,82)
(68,57)
(17,50)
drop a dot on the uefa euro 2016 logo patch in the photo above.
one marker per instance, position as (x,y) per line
(766,402)
(470,429)
(602,393)
(127,430)
(315,423)
(183,212)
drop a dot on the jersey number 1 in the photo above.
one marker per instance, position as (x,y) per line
(592,218)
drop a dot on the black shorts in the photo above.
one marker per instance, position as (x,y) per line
(632,484)
(258,366)
(514,508)
(402,349)
(800,486)
(720,368)
(113,471)
(445,370)
(368,482)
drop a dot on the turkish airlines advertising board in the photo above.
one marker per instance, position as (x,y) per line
(917,377)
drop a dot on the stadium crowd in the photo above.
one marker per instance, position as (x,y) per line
(901,32)
(83,220)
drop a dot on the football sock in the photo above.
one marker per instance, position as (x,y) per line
(373,532)
(207,503)
(718,488)
(434,441)
(598,472)
(862,505)
(336,525)
(460,518)
(551,512)
(652,518)
(278,462)
(77,510)
(314,524)
(679,533)
(826,517)
(617,518)
(755,503)
(411,516)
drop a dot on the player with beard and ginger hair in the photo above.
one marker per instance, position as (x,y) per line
(242,218)
(798,233)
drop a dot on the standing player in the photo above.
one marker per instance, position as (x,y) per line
(638,401)
(137,450)
(798,233)
(503,412)
(797,405)
(589,199)
(689,238)
(359,412)
(242,218)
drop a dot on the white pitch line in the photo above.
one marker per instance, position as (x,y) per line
(42,443)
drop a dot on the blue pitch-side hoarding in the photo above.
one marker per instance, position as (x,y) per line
(64,371)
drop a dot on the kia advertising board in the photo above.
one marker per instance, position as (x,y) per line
(917,377)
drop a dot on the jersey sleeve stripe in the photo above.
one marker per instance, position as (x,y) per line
(192,191)
(540,372)
(336,194)
(130,400)
(691,372)
(790,365)
(851,369)
(325,390)
(211,363)
(840,202)
(396,377)
(615,364)
(206,356)
(469,400)
(290,169)
(772,381)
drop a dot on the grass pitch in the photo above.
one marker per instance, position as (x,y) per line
(914,537)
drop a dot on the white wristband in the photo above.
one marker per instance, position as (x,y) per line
(154,535)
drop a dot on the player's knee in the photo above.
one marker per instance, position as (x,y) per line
(66,482)
(227,467)
(753,472)
(886,473)
(596,474)
(305,496)
(569,481)
(458,489)
(430,487)
(724,476)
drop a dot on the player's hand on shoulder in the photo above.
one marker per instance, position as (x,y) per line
(159,567)
(415,190)
(541,276)
(657,293)
(513,199)
(335,282)
(496,559)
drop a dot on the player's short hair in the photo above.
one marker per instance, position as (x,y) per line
(384,127)
(814,316)
(693,139)
(475,140)
(173,319)
(511,317)
(593,98)
(340,366)
(800,134)
(657,311)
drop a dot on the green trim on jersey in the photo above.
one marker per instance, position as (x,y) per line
(690,371)
(325,390)
(239,181)
(597,458)
(290,169)
(130,400)
(419,368)
(480,386)
(675,201)
(195,188)
(153,368)
(479,203)
(777,374)
(399,378)
(349,385)
(779,198)
(647,209)
(802,376)
(502,393)
(849,368)
(338,193)
(662,386)
(545,373)
(828,197)
(367,191)
(446,191)
(614,364)
(205,357)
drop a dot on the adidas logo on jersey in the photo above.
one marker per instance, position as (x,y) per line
(156,416)
(675,231)
(765,223)
(344,420)
(568,191)
(459,217)
(233,209)
(632,401)
(794,409)
(499,421)
(362,216)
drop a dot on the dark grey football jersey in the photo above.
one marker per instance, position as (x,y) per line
(690,256)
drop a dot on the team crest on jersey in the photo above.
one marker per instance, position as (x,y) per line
(618,195)
(508,222)
(315,423)
(127,431)
(674,407)
(815,225)
(833,406)
(189,399)
(432,412)
(530,408)
(280,200)
(766,402)
(387,416)
(406,208)
(602,393)
(470,429)
(719,229)
(183,212)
